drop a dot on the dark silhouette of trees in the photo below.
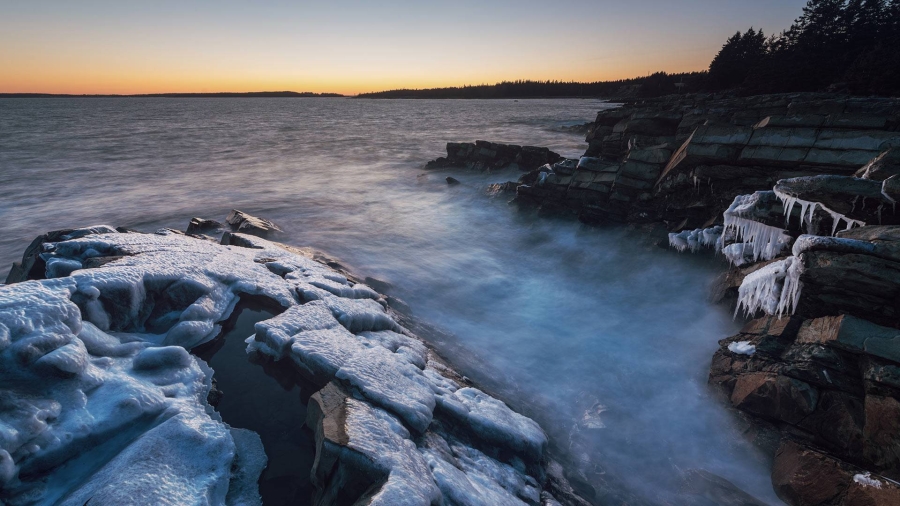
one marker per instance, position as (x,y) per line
(653,85)
(740,54)
(845,44)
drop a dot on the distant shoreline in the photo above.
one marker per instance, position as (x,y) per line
(250,94)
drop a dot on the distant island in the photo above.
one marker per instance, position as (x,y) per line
(253,94)
(656,84)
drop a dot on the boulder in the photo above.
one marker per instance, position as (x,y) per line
(199,226)
(248,224)
(883,166)
(803,476)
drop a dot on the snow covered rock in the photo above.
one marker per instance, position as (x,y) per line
(86,415)
(108,403)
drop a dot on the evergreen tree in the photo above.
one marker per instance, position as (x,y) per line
(738,57)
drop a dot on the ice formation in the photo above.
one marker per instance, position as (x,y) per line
(693,240)
(742,348)
(766,242)
(866,480)
(774,289)
(107,403)
(104,417)
(808,210)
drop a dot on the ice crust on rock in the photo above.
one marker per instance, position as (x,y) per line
(773,289)
(693,240)
(101,354)
(88,415)
(866,480)
(766,242)
(742,348)
(495,421)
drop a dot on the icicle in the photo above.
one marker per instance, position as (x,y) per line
(774,289)
(836,217)
(766,241)
(692,240)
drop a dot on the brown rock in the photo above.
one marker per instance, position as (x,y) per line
(804,477)
(882,432)
(774,396)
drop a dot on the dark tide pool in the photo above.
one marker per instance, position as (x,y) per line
(264,397)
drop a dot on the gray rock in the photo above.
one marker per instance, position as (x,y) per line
(248,224)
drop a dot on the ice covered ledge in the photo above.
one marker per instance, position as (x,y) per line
(97,359)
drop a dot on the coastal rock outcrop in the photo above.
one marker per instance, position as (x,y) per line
(248,224)
(484,155)
(798,192)
(104,402)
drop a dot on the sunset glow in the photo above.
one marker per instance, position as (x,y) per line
(352,47)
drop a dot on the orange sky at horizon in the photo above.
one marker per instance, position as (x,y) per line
(349,47)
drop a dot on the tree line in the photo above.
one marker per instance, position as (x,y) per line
(845,45)
(659,83)
(841,45)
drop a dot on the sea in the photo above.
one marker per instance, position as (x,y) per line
(601,335)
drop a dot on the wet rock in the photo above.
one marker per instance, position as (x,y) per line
(774,396)
(708,488)
(883,166)
(393,423)
(803,476)
(484,155)
(248,224)
(452,180)
(507,188)
(203,226)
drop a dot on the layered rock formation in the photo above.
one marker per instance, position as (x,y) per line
(798,193)
(104,404)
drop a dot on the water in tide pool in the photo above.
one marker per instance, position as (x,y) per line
(603,339)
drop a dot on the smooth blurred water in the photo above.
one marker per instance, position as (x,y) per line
(563,321)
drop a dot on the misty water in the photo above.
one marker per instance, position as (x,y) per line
(598,334)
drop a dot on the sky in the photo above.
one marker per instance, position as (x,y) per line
(344,46)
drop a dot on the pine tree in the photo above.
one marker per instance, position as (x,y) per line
(737,59)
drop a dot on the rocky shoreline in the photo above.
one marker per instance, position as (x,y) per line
(105,404)
(799,193)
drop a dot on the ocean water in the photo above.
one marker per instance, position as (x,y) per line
(601,336)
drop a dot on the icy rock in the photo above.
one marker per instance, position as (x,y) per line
(693,240)
(493,421)
(108,344)
(373,450)
(190,284)
(766,241)
(774,289)
(808,210)
(88,416)
(250,461)
(739,254)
